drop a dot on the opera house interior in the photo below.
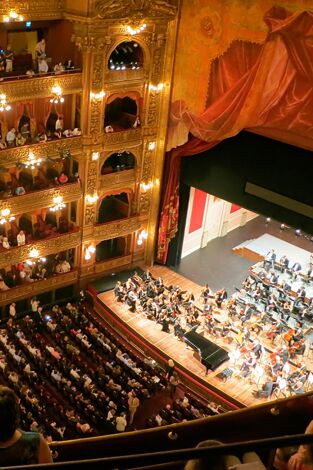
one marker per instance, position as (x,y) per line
(156,234)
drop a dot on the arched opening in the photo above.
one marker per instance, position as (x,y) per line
(118,162)
(51,122)
(121,114)
(111,249)
(114,207)
(127,55)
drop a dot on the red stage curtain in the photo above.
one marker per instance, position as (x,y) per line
(273,97)
(170,205)
(12,118)
(227,69)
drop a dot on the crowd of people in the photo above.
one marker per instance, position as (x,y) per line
(262,323)
(73,376)
(34,270)
(41,65)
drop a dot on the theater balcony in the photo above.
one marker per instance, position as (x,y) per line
(117,179)
(116,228)
(115,140)
(40,86)
(31,289)
(39,10)
(52,148)
(127,62)
(53,243)
(40,199)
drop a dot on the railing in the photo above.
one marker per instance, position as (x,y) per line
(116,228)
(176,459)
(126,75)
(47,246)
(52,148)
(119,137)
(289,415)
(9,78)
(37,287)
(41,198)
(41,87)
(117,178)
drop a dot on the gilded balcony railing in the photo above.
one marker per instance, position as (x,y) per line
(119,178)
(41,199)
(40,87)
(9,156)
(30,289)
(45,247)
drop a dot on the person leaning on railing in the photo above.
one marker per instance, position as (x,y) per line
(289,458)
(18,447)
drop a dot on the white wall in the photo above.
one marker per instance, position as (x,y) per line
(217,222)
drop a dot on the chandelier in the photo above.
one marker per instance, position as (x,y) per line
(58,204)
(57,95)
(32,161)
(4,106)
(12,16)
(5,216)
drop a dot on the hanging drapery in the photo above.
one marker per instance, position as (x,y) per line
(42,108)
(30,111)
(274,97)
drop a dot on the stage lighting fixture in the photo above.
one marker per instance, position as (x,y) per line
(298,232)
(282,227)
(268,219)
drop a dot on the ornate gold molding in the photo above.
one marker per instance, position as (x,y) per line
(125,76)
(120,178)
(9,157)
(117,228)
(110,9)
(40,87)
(34,9)
(112,264)
(41,199)
(122,138)
(34,288)
(49,246)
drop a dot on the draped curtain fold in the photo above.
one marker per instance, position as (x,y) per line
(267,89)
(30,111)
(42,107)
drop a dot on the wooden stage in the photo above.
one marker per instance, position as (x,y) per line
(236,387)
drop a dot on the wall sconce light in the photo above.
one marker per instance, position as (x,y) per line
(34,253)
(151,146)
(58,204)
(143,235)
(87,255)
(132,31)
(90,250)
(97,96)
(5,216)
(57,95)
(157,87)
(12,16)
(32,161)
(4,106)
(95,156)
(92,198)
(146,186)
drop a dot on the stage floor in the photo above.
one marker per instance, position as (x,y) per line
(235,387)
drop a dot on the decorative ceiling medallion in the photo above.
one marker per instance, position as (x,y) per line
(109,9)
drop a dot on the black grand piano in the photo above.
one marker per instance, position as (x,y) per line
(211,355)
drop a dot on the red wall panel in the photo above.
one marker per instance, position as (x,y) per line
(197,212)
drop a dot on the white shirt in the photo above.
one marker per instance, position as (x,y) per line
(121,423)
(20,239)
